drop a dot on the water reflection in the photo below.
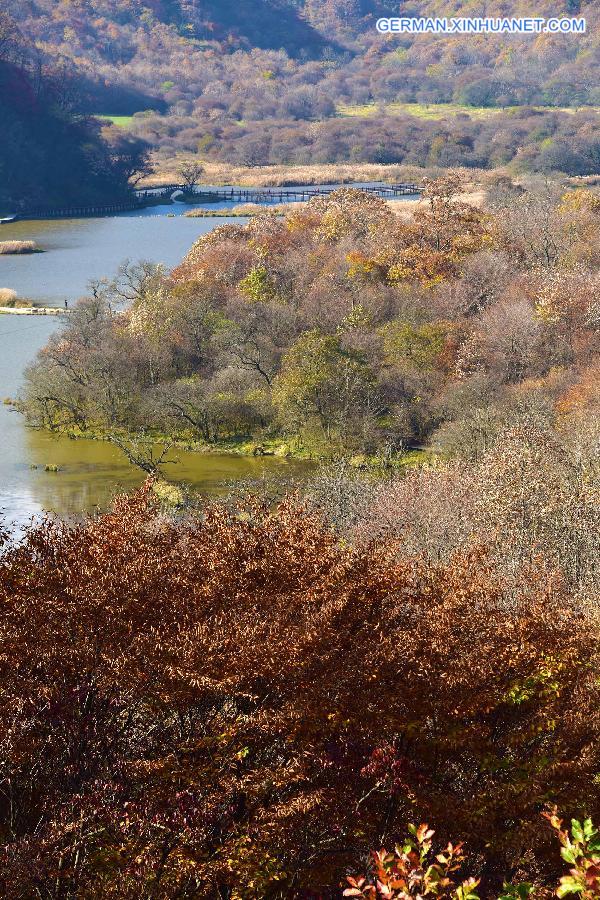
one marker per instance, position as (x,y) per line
(91,472)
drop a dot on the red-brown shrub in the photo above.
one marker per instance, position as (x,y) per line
(239,707)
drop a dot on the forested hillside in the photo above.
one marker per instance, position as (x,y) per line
(283,81)
(50,155)
(267,695)
(343,329)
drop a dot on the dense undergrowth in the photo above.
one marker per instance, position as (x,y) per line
(237,705)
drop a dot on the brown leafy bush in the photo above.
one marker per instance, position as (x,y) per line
(239,707)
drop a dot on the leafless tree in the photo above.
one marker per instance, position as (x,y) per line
(189,174)
(143,453)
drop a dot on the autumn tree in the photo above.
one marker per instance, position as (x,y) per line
(322,383)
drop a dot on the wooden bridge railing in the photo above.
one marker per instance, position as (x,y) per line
(210,195)
(75,212)
(272,195)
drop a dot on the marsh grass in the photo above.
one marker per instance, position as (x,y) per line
(435,111)
(243,210)
(120,121)
(420,110)
(11,247)
(19,304)
(219,174)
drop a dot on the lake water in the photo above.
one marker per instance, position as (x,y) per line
(82,249)
(91,471)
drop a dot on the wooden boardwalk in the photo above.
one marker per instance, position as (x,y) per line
(78,212)
(143,198)
(275,195)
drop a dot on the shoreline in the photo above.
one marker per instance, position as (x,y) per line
(33,311)
(272,447)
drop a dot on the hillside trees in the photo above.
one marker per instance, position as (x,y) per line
(268,88)
(320,380)
(51,156)
(342,325)
(531,498)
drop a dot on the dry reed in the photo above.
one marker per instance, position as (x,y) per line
(7,247)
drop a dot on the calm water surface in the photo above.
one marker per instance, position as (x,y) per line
(78,250)
(91,471)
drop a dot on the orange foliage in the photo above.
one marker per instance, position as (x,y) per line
(583,396)
(237,706)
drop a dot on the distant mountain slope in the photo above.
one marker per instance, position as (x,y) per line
(100,25)
(267,24)
(479,70)
(49,155)
(213,76)
(125,33)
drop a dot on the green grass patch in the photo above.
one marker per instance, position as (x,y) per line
(120,121)
(420,110)
(446,110)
